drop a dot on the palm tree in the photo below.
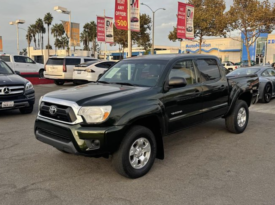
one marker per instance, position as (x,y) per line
(40,29)
(65,42)
(90,29)
(29,36)
(85,40)
(58,43)
(48,18)
(54,32)
(32,30)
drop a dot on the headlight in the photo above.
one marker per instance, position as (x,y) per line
(28,86)
(95,114)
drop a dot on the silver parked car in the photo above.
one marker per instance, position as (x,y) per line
(266,77)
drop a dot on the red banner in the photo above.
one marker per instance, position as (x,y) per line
(185,27)
(121,14)
(100,29)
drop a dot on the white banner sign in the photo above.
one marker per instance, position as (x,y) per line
(135,15)
(109,30)
(189,21)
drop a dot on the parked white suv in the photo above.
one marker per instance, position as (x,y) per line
(23,64)
(230,66)
(91,71)
(60,69)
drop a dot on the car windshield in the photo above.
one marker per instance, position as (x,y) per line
(244,71)
(140,72)
(5,69)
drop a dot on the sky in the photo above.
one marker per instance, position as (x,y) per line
(83,11)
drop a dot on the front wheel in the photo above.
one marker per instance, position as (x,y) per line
(237,121)
(59,82)
(136,154)
(41,73)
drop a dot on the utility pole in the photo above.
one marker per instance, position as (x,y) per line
(105,54)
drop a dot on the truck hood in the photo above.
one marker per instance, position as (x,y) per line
(95,94)
(12,80)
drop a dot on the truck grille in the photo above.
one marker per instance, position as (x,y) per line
(54,135)
(11,90)
(57,112)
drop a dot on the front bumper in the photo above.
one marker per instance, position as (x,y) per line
(20,101)
(76,139)
(84,76)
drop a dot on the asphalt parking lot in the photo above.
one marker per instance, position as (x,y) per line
(203,165)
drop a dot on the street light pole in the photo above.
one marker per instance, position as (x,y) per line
(65,11)
(153,29)
(129,30)
(17,22)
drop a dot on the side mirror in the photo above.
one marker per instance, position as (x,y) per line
(177,82)
(17,72)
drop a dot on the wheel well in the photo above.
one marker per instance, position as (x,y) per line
(154,125)
(247,98)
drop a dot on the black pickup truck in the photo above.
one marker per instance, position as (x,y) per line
(137,102)
(15,92)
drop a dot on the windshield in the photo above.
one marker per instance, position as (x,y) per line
(5,69)
(244,71)
(140,72)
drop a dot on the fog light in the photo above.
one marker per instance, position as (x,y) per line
(92,144)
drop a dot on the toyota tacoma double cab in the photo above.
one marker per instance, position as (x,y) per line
(137,102)
(15,92)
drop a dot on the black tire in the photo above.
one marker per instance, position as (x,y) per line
(267,95)
(41,73)
(231,121)
(59,82)
(121,159)
(26,110)
(75,82)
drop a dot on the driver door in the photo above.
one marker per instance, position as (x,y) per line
(183,105)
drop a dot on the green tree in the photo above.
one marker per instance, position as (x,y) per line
(32,31)
(29,36)
(57,31)
(89,35)
(48,18)
(251,18)
(58,43)
(209,20)
(142,38)
(64,42)
(84,38)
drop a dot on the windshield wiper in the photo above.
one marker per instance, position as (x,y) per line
(103,82)
(125,84)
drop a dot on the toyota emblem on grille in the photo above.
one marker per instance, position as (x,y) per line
(53,110)
(6,90)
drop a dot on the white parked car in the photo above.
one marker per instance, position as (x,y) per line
(60,69)
(23,64)
(230,66)
(91,71)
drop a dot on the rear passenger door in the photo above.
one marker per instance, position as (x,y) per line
(215,88)
(183,105)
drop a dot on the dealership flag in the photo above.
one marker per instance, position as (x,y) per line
(75,36)
(1,44)
(135,16)
(185,25)
(109,30)
(100,29)
(121,14)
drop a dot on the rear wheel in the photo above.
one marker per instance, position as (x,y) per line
(136,154)
(267,93)
(59,82)
(237,121)
(41,73)
(26,110)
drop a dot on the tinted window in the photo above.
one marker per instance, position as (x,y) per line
(265,74)
(19,59)
(86,64)
(5,58)
(55,61)
(102,65)
(209,69)
(87,60)
(73,61)
(4,68)
(184,69)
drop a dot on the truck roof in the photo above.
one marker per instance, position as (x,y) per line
(170,56)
